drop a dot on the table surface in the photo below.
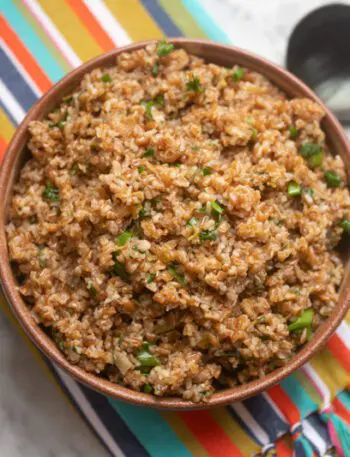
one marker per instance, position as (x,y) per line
(35,418)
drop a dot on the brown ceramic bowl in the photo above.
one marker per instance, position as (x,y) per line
(17,154)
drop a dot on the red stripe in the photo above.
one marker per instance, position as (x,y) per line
(285,404)
(340,351)
(24,56)
(341,410)
(3,146)
(282,449)
(209,434)
(91,24)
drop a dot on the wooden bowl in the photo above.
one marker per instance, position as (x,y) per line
(17,154)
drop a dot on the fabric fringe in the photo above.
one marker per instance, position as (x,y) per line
(302,445)
(339,431)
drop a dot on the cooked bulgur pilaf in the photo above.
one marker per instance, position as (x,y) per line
(175,227)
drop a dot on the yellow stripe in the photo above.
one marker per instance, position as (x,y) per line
(71,27)
(347,318)
(185,435)
(7,129)
(309,389)
(331,372)
(234,431)
(134,19)
(183,19)
(4,306)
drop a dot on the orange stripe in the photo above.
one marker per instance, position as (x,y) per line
(212,438)
(285,404)
(92,25)
(3,147)
(282,449)
(341,410)
(23,56)
(340,351)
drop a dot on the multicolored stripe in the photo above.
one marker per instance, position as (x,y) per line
(56,40)
(40,40)
(33,41)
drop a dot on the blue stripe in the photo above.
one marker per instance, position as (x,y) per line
(299,396)
(152,430)
(8,114)
(316,422)
(32,41)
(121,434)
(302,447)
(16,83)
(266,416)
(162,19)
(205,21)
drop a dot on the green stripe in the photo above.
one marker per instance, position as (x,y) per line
(304,449)
(306,384)
(151,430)
(35,25)
(197,11)
(299,396)
(32,41)
(344,397)
(183,19)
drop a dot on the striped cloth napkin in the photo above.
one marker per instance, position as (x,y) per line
(308,413)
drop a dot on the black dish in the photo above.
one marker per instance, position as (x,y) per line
(319,54)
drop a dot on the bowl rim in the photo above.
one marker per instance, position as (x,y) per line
(46,344)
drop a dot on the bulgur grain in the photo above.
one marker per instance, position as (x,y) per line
(174,225)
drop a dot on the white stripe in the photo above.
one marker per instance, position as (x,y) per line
(108,22)
(53,32)
(316,439)
(20,68)
(11,104)
(251,423)
(343,332)
(319,383)
(89,412)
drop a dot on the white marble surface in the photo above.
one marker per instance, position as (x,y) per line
(262,26)
(35,419)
